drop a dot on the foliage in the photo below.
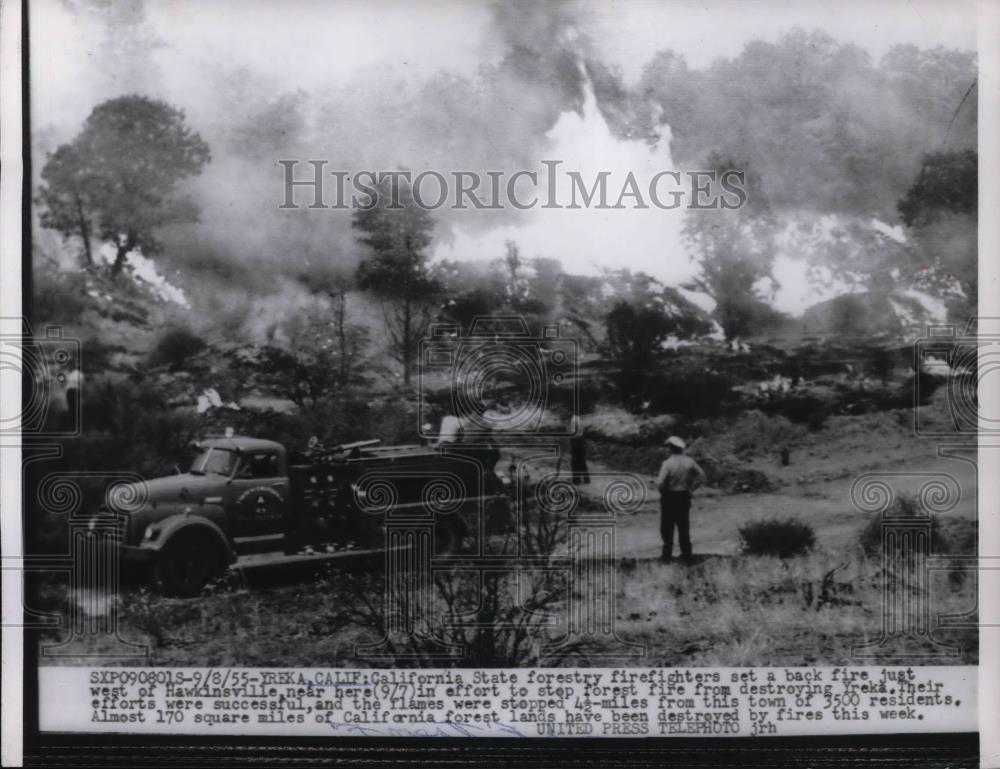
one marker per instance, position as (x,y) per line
(801,407)
(751,434)
(530,294)
(351,339)
(635,333)
(625,457)
(723,611)
(59,295)
(641,315)
(512,610)
(924,385)
(471,290)
(848,250)
(175,347)
(538,291)
(581,305)
(688,391)
(719,612)
(118,178)
(807,107)
(312,355)
(903,506)
(66,197)
(509,285)
(734,250)
(126,427)
(297,374)
(863,315)
(129,425)
(102,312)
(784,538)
(684,319)
(397,233)
(947,182)
(306,376)
(941,208)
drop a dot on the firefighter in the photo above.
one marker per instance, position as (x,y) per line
(578,451)
(679,477)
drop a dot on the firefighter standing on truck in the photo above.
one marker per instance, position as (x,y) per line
(679,476)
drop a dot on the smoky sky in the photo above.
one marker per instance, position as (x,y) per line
(828,125)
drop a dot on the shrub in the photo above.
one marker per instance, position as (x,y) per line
(802,408)
(619,426)
(512,610)
(752,433)
(634,333)
(750,481)
(782,538)
(584,398)
(870,538)
(923,383)
(626,457)
(691,393)
(719,469)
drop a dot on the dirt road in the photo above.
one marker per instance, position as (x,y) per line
(815,488)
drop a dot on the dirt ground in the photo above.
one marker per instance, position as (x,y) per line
(814,488)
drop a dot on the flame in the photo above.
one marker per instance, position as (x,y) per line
(589,240)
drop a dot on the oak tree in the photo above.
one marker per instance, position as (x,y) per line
(119,178)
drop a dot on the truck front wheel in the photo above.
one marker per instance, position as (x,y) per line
(188,562)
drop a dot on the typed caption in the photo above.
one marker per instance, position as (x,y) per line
(608,702)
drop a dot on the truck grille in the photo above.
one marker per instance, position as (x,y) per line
(110,528)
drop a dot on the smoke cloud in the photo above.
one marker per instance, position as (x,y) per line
(482,87)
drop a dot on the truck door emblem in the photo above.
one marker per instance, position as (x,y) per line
(267,502)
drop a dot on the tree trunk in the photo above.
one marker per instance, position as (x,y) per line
(406,341)
(123,250)
(341,320)
(84,231)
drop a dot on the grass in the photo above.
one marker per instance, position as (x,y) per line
(768,611)
(729,611)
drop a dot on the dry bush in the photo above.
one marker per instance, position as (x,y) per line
(783,538)
(480,618)
(752,433)
(485,619)
(870,538)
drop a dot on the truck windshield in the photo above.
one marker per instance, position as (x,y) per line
(216,461)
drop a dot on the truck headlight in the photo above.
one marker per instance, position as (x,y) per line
(150,533)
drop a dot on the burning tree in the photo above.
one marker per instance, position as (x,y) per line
(118,178)
(351,339)
(326,359)
(941,210)
(937,253)
(398,232)
(735,250)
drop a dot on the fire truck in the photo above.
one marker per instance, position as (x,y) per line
(242,497)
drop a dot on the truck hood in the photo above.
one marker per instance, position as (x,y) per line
(172,489)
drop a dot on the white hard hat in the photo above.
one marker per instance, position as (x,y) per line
(673,440)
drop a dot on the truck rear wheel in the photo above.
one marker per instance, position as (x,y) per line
(188,562)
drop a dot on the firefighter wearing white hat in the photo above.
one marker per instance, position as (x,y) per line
(679,476)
